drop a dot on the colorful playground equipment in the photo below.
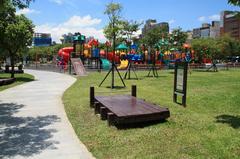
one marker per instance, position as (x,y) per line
(123,64)
(64,55)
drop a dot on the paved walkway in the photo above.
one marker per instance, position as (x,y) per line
(33,123)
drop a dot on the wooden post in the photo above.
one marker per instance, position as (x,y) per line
(111,119)
(103,113)
(134,90)
(92,98)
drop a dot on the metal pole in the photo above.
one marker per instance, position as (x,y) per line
(113,60)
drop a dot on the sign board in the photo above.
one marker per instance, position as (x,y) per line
(78,67)
(180,82)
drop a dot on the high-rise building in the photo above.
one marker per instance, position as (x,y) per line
(230,24)
(189,36)
(205,30)
(152,23)
(196,33)
(42,39)
(215,29)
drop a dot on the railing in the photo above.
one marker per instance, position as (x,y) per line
(65,69)
(48,67)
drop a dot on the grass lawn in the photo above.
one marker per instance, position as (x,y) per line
(20,79)
(209,127)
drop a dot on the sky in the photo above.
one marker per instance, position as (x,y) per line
(60,17)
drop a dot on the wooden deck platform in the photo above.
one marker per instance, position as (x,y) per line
(127,109)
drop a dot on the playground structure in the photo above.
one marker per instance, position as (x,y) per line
(125,57)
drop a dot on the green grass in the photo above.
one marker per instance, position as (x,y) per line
(209,127)
(20,79)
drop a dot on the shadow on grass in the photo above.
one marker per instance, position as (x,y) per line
(24,79)
(139,125)
(204,70)
(24,136)
(233,121)
(116,87)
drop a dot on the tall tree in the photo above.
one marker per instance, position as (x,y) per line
(113,28)
(15,33)
(113,11)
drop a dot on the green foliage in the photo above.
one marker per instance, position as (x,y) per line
(112,30)
(15,32)
(234,2)
(46,51)
(153,36)
(129,27)
(229,46)
(177,38)
(215,48)
(15,3)
(17,35)
(207,47)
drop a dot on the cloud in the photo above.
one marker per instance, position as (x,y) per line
(209,18)
(59,2)
(202,18)
(27,11)
(171,21)
(84,25)
(214,17)
(77,21)
(73,2)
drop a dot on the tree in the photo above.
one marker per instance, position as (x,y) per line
(113,28)
(152,37)
(229,46)
(207,48)
(16,3)
(234,2)
(178,38)
(15,33)
(129,27)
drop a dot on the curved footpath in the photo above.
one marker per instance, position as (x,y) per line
(33,123)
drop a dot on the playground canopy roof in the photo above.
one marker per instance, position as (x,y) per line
(122,47)
(79,38)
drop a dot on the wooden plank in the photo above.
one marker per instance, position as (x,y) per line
(123,105)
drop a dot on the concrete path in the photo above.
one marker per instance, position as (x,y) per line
(33,123)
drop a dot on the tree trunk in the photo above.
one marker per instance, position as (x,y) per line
(12,65)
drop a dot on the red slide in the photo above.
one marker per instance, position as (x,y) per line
(65,53)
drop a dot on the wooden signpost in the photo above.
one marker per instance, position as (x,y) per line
(180,82)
